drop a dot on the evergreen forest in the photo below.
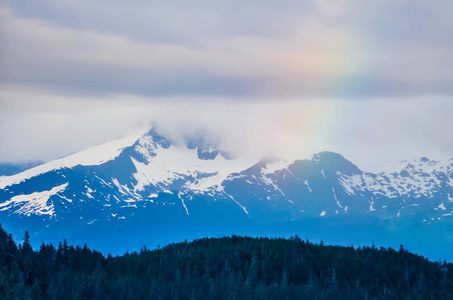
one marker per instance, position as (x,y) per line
(220,268)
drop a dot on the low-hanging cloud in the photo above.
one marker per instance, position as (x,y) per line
(371,133)
(372,80)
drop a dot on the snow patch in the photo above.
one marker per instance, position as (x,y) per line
(275,166)
(35,203)
(269,181)
(371,205)
(335,196)
(308,186)
(243,208)
(64,198)
(123,189)
(183,203)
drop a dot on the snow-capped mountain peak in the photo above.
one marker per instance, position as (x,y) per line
(93,156)
(166,163)
(153,181)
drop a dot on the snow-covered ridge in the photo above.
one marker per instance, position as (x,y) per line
(169,164)
(417,178)
(35,203)
(92,156)
(422,165)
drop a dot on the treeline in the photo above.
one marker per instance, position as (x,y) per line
(220,268)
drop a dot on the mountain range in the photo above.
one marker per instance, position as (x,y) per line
(149,190)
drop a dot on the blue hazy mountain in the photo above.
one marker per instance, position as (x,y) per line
(8,169)
(148,190)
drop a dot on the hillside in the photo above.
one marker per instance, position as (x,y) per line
(151,190)
(222,268)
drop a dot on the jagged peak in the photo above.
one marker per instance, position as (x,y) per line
(332,161)
(207,149)
(206,144)
(153,136)
(424,159)
(414,165)
(326,155)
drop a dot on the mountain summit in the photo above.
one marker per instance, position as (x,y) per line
(150,190)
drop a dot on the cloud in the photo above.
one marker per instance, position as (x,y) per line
(363,78)
(229,50)
(371,133)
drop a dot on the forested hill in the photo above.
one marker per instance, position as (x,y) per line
(221,268)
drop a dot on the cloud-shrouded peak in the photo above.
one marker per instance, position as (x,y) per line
(334,162)
(364,79)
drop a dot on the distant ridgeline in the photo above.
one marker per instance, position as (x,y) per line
(220,268)
(11,169)
(148,190)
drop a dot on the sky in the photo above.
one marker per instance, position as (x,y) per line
(372,80)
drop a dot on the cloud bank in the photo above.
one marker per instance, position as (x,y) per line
(367,132)
(372,80)
(256,49)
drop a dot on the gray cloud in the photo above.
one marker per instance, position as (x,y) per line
(363,78)
(352,49)
(371,133)
(169,22)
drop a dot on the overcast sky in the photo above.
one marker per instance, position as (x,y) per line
(372,80)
